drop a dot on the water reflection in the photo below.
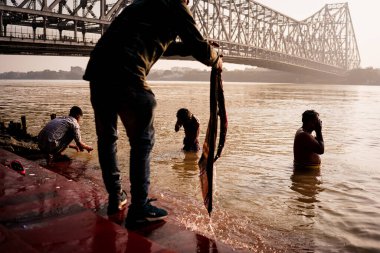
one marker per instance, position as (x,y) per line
(205,244)
(308,183)
(137,235)
(188,167)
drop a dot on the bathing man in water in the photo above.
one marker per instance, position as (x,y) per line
(191,125)
(58,134)
(308,147)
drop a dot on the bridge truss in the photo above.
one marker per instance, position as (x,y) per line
(247,32)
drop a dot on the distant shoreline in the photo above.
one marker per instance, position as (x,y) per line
(204,81)
(367,76)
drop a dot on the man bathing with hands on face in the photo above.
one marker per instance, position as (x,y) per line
(308,147)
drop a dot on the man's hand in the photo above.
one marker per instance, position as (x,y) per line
(213,43)
(87,148)
(177,127)
(82,147)
(74,147)
(219,64)
(318,126)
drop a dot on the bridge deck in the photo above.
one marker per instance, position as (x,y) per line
(247,32)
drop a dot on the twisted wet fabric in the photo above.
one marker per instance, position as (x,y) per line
(206,162)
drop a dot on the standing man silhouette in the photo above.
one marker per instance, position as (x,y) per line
(117,70)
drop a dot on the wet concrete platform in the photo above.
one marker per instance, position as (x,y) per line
(47,212)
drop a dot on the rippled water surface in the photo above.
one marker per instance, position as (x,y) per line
(260,203)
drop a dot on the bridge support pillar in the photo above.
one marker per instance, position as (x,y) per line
(75,30)
(44,28)
(1,24)
(34,33)
(84,33)
(101,29)
(34,27)
(84,36)
(44,5)
(102,8)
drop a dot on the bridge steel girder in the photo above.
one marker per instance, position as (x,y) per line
(247,32)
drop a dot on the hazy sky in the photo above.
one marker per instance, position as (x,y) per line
(365,14)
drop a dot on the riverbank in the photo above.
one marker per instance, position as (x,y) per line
(66,197)
(56,209)
(46,212)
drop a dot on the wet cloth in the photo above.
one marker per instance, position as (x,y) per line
(298,165)
(206,162)
(58,133)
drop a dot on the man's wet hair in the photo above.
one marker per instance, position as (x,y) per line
(75,111)
(309,115)
(183,114)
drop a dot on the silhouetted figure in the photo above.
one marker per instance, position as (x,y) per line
(191,126)
(117,70)
(307,147)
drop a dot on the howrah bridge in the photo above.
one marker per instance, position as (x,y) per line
(248,32)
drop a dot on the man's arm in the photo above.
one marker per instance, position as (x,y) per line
(314,144)
(177,48)
(86,147)
(177,126)
(81,147)
(319,138)
(74,147)
(78,140)
(186,28)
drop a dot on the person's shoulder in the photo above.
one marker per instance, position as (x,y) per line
(300,133)
(57,120)
(177,5)
(195,119)
(71,120)
(65,118)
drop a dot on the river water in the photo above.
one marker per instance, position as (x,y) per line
(261,204)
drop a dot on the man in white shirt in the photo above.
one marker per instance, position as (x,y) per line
(58,134)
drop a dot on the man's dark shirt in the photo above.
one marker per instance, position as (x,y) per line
(140,35)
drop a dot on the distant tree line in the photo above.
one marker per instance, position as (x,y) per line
(75,73)
(368,76)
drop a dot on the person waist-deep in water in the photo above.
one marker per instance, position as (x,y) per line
(308,147)
(143,32)
(191,126)
(58,134)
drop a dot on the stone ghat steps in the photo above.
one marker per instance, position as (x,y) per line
(46,212)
